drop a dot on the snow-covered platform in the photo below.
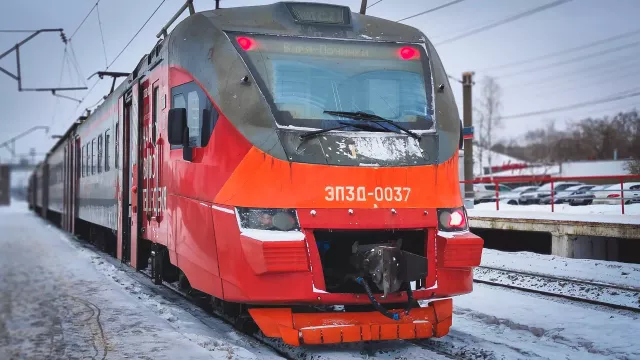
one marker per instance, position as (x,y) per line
(577,232)
(57,303)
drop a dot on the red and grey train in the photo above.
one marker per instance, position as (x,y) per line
(295,162)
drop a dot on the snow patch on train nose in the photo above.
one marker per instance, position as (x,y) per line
(376,147)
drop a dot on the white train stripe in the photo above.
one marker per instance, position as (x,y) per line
(228,211)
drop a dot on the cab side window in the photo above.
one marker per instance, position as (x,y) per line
(191,97)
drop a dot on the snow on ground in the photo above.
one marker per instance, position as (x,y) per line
(563,212)
(497,323)
(608,272)
(55,304)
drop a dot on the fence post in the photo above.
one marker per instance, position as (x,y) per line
(622,194)
(497,196)
(552,201)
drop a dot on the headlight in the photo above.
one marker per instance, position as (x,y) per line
(452,219)
(268,219)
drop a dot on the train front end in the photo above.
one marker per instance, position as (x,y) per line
(342,218)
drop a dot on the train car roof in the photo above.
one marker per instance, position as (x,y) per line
(64,137)
(284,18)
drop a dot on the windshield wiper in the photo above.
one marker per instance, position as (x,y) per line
(360,115)
(342,126)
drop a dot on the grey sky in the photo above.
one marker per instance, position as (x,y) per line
(572,24)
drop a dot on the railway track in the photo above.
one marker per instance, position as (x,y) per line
(351,350)
(610,295)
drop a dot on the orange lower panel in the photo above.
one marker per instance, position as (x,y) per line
(331,328)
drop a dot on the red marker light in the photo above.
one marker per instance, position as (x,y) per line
(245,43)
(456,219)
(407,53)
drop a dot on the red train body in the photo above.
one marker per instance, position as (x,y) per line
(217,160)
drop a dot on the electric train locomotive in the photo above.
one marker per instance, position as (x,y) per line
(295,162)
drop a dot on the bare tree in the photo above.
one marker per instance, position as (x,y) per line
(633,166)
(488,117)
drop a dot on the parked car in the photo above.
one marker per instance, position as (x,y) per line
(562,196)
(611,195)
(483,192)
(586,197)
(545,191)
(512,197)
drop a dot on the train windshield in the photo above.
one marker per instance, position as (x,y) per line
(305,77)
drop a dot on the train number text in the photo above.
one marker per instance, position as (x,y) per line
(361,193)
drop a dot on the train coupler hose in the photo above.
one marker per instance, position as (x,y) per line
(375,303)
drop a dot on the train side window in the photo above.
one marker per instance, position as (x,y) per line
(154,115)
(117,152)
(100,152)
(178,103)
(82,161)
(93,156)
(193,118)
(107,140)
(191,97)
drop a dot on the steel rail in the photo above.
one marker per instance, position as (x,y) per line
(566,281)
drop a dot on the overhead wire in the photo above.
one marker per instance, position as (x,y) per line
(562,52)
(104,47)
(580,71)
(116,58)
(377,2)
(593,81)
(136,34)
(55,107)
(569,61)
(431,10)
(505,21)
(624,95)
(83,20)
(597,79)
(75,63)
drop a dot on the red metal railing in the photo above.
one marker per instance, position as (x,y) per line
(546,179)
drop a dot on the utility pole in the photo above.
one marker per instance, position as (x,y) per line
(363,7)
(467,119)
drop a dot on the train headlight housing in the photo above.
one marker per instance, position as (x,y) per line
(268,219)
(453,219)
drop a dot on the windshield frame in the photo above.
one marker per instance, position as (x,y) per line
(304,124)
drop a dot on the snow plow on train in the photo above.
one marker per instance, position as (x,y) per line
(299,169)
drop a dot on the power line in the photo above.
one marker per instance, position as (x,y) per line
(116,58)
(505,21)
(581,47)
(601,65)
(104,47)
(83,20)
(136,34)
(620,96)
(564,62)
(430,10)
(76,65)
(379,1)
(55,107)
(597,79)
